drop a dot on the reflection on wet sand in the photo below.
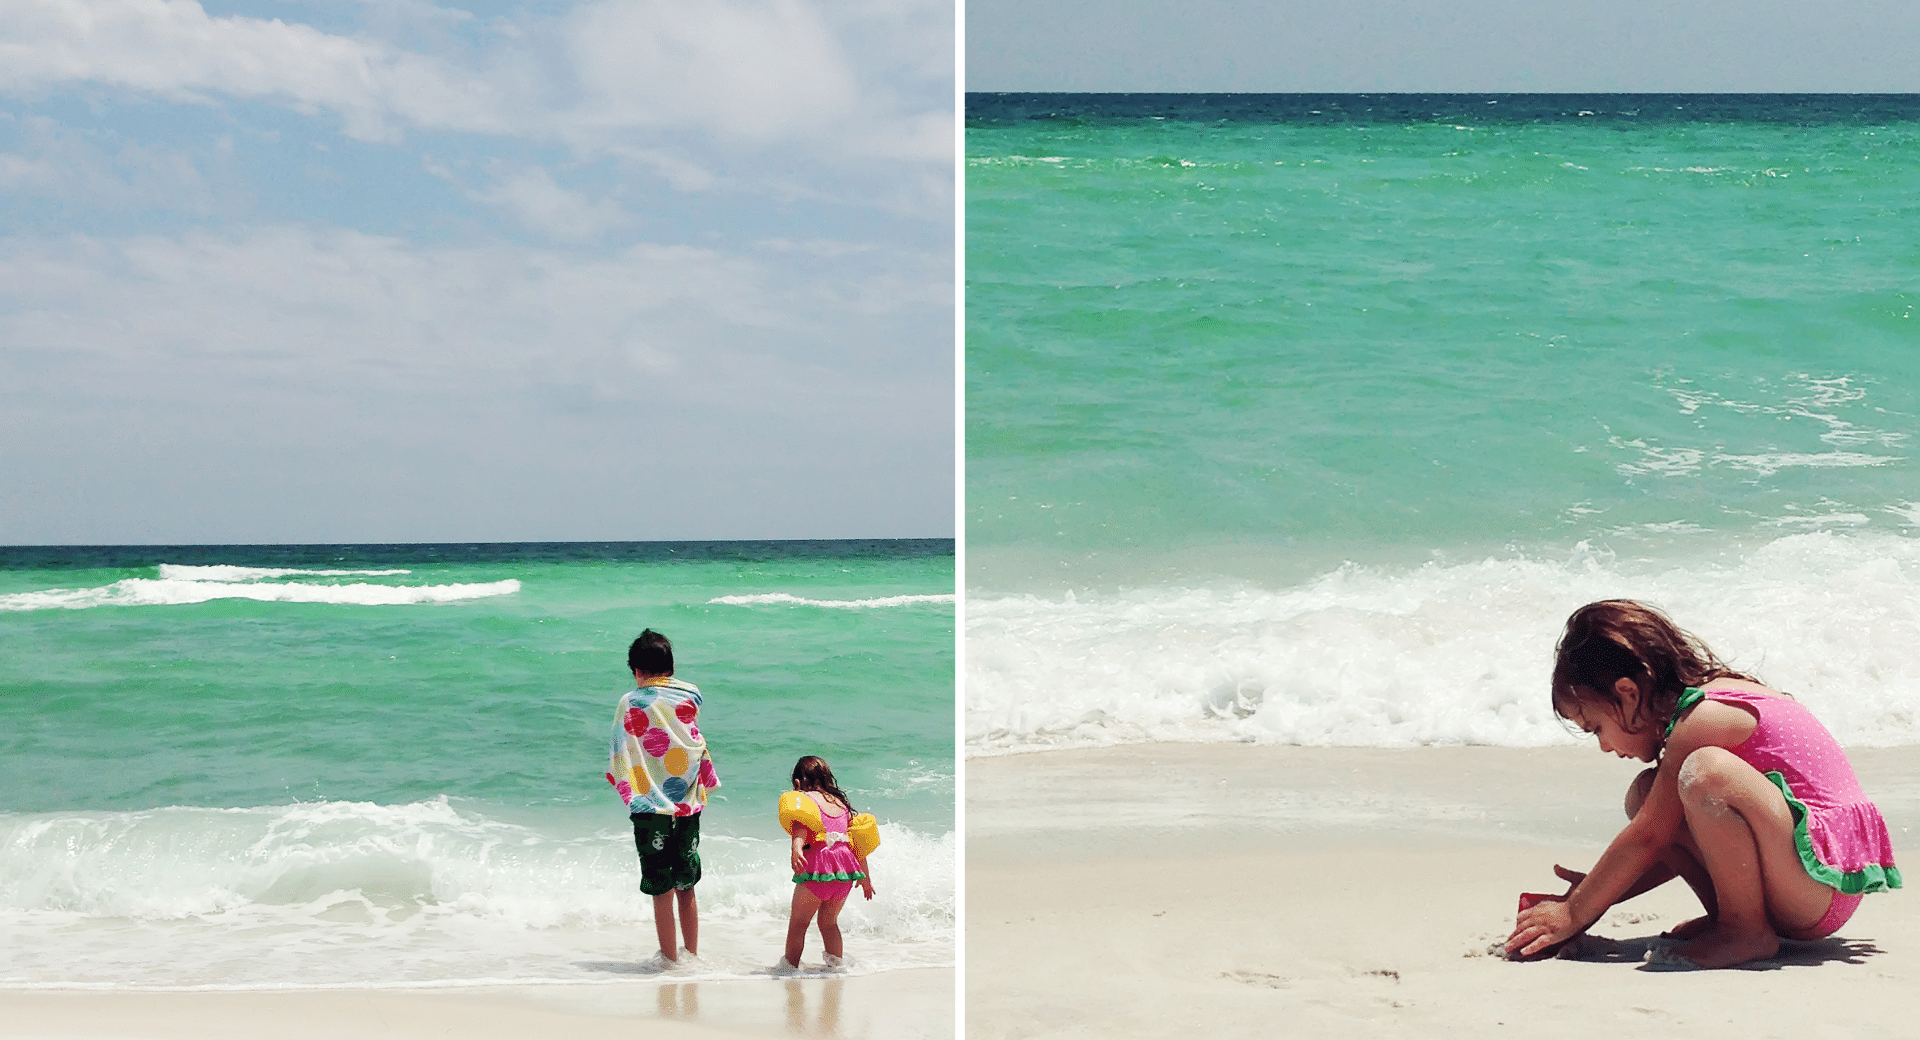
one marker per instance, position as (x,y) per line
(825,1023)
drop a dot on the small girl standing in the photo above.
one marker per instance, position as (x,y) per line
(1751,801)
(825,865)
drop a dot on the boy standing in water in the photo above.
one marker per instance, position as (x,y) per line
(660,766)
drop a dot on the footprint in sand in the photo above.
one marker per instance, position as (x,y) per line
(1257,978)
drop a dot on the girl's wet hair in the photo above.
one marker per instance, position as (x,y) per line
(1616,639)
(812,774)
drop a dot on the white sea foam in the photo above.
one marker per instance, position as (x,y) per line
(783,599)
(1680,462)
(427,894)
(1440,654)
(228,572)
(1819,520)
(157,592)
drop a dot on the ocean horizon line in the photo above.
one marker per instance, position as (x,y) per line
(986,108)
(33,557)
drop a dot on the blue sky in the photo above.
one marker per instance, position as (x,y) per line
(393,270)
(1468,46)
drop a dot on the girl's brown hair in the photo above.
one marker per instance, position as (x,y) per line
(812,774)
(1616,639)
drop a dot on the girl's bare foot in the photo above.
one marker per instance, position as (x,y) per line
(1721,948)
(1690,929)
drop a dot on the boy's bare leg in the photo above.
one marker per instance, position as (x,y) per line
(663,925)
(689,920)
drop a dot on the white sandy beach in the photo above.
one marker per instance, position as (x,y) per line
(1237,890)
(908,1005)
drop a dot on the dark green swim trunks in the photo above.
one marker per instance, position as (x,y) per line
(669,848)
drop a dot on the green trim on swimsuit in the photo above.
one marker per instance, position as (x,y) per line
(1871,878)
(1689,697)
(856,875)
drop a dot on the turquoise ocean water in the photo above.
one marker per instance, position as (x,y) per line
(291,766)
(1309,418)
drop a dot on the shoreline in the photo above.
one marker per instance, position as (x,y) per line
(910,1003)
(1343,891)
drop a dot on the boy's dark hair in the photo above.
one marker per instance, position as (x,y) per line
(813,774)
(650,654)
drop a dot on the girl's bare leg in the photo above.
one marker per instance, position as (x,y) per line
(830,928)
(1743,831)
(1682,860)
(804,905)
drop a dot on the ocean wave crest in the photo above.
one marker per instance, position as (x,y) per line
(1439,654)
(230,572)
(159,592)
(833,604)
(431,893)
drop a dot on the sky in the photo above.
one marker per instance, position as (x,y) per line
(294,271)
(1465,46)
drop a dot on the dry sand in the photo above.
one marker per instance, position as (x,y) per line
(898,1005)
(1234,890)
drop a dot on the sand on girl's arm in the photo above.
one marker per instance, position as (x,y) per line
(915,1004)
(1335,892)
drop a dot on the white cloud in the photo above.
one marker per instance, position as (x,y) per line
(546,208)
(173,48)
(296,343)
(758,70)
(679,171)
(925,137)
(18,172)
(290,384)
(55,162)
(337,305)
(747,72)
(291,307)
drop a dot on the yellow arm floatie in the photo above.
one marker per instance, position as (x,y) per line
(864,831)
(798,808)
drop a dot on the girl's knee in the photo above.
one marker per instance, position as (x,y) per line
(1711,773)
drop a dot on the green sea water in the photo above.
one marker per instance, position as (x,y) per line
(437,705)
(1352,327)
(1309,418)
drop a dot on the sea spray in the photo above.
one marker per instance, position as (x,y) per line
(1436,654)
(185,897)
(311,766)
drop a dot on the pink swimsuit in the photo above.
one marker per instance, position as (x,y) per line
(831,864)
(1841,837)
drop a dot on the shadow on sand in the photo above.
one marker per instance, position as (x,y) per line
(1793,953)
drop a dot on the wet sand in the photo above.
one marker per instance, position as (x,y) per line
(909,1005)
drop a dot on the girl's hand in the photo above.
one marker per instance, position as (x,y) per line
(866,887)
(1541,925)
(1570,876)
(799,834)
